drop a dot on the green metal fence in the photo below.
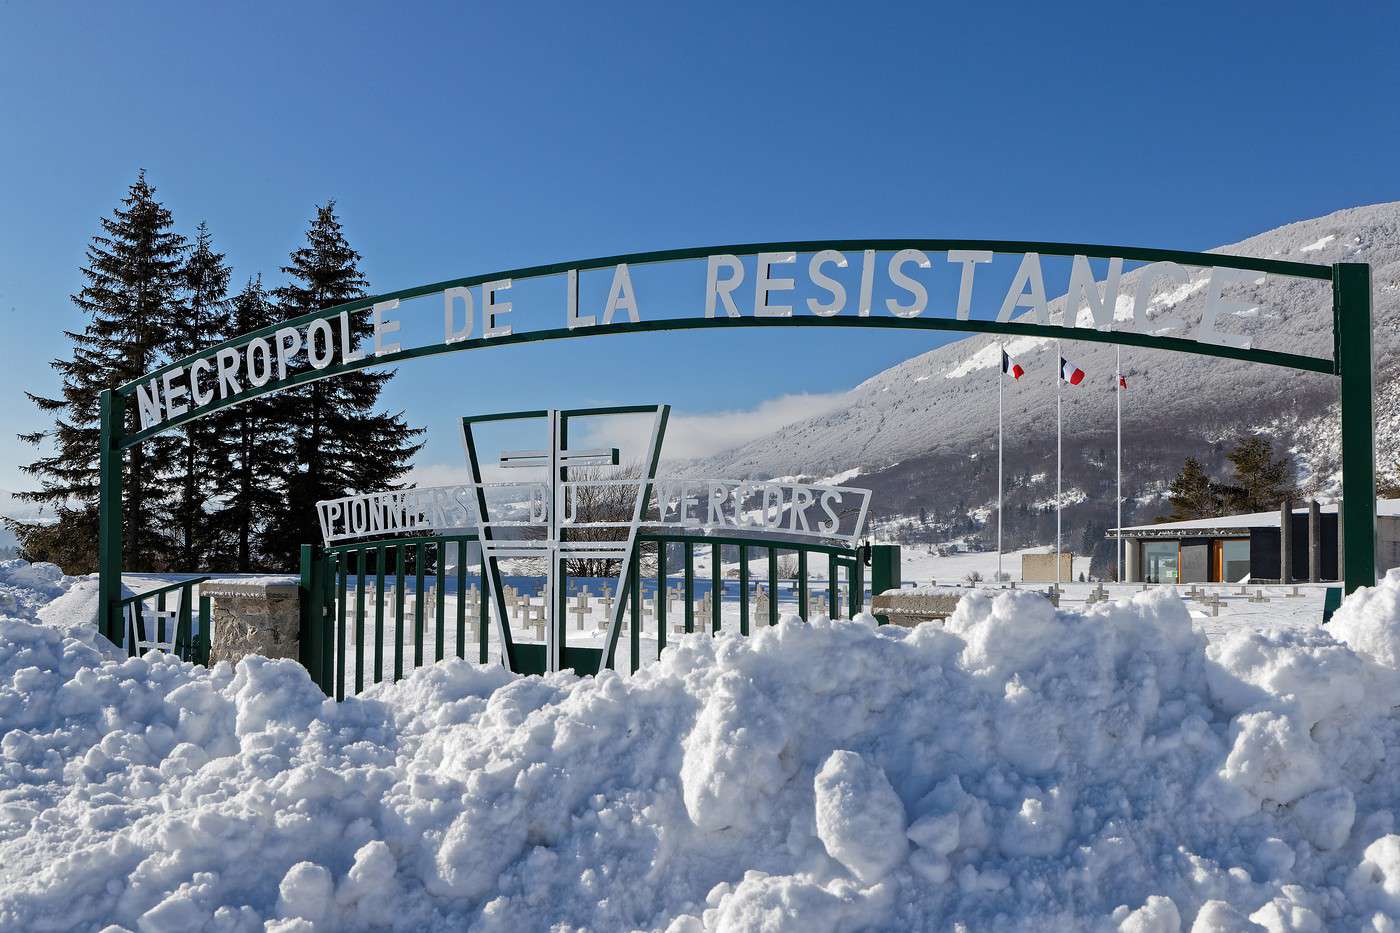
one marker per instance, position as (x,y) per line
(373,611)
(150,624)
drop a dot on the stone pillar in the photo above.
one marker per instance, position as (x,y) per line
(254,617)
(1132,551)
(1285,542)
(1341,551)
(1314,542)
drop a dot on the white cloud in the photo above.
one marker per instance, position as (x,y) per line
(695,436)
(688,436)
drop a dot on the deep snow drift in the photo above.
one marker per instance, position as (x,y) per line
(1018,769)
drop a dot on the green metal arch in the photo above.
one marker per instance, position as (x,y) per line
(952,324)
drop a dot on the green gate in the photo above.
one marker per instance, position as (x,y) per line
(373,611)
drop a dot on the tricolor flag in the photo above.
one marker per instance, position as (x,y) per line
(1008,365)
(1070,373)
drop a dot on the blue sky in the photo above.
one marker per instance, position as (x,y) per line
(460,139)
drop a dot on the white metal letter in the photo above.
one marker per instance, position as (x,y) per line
(714,288)
(912,286)
(1028,276)
(322,359)
(620,295)
(571,300)
(200,398)
(822,280)
(490,308)
(1216,306)
(763,284)
(969,259)
(449,333)
(288,341)
(1083,290)
(382,326)
(1142,300)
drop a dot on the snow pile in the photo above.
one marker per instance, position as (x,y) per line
(1018,768)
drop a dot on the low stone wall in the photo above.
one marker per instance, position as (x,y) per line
(910,607)
(254,617)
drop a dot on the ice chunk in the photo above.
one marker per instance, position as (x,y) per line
(860,819)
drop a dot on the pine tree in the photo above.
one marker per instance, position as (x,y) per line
(133,276)
(1192,494)
(199,323)
(1261,482)
(249,469)
(337,442)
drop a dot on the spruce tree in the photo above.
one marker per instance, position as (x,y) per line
(336,441)
(133,277)
(1192,494)
(199,324)
(1261,482)
(251,459)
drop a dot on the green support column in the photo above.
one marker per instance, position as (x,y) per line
(1351,307)
(109,511)
(884,572)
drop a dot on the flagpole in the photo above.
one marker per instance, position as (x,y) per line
(1118,391)
(1001,379)
(1059,459)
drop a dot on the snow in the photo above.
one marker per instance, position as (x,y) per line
(1013,768)
(1318,244)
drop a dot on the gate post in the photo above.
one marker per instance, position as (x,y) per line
(884,572)
(109,518)
(311,636)
(1351,310)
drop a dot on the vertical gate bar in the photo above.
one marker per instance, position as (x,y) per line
(206,616)
(440,597)
(379,614)
(183,628)
(160,618)
(635,635)
(832,609)
(559,615)
(802,608)
(418,594)
(483,614)
(325,622)
(109,517)
(689,586)
(461,597)
(400,556)
(743,589)
(1351,310)
(342,568)
(772,586)
(359,619)
(716,587)
(662,597)
(857,600)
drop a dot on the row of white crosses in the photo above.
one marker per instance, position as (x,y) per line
(526,613)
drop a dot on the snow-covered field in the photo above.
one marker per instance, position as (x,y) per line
(1017,768)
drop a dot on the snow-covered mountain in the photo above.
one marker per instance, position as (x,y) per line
(923,433)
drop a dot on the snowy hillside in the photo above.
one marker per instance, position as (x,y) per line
(915,429)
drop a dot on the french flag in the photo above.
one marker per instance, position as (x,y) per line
(1070,373)
(1008,365)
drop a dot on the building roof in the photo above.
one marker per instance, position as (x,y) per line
(1239,524)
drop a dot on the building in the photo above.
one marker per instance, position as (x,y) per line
(1233,548)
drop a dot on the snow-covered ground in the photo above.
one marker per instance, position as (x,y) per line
(1016,768)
